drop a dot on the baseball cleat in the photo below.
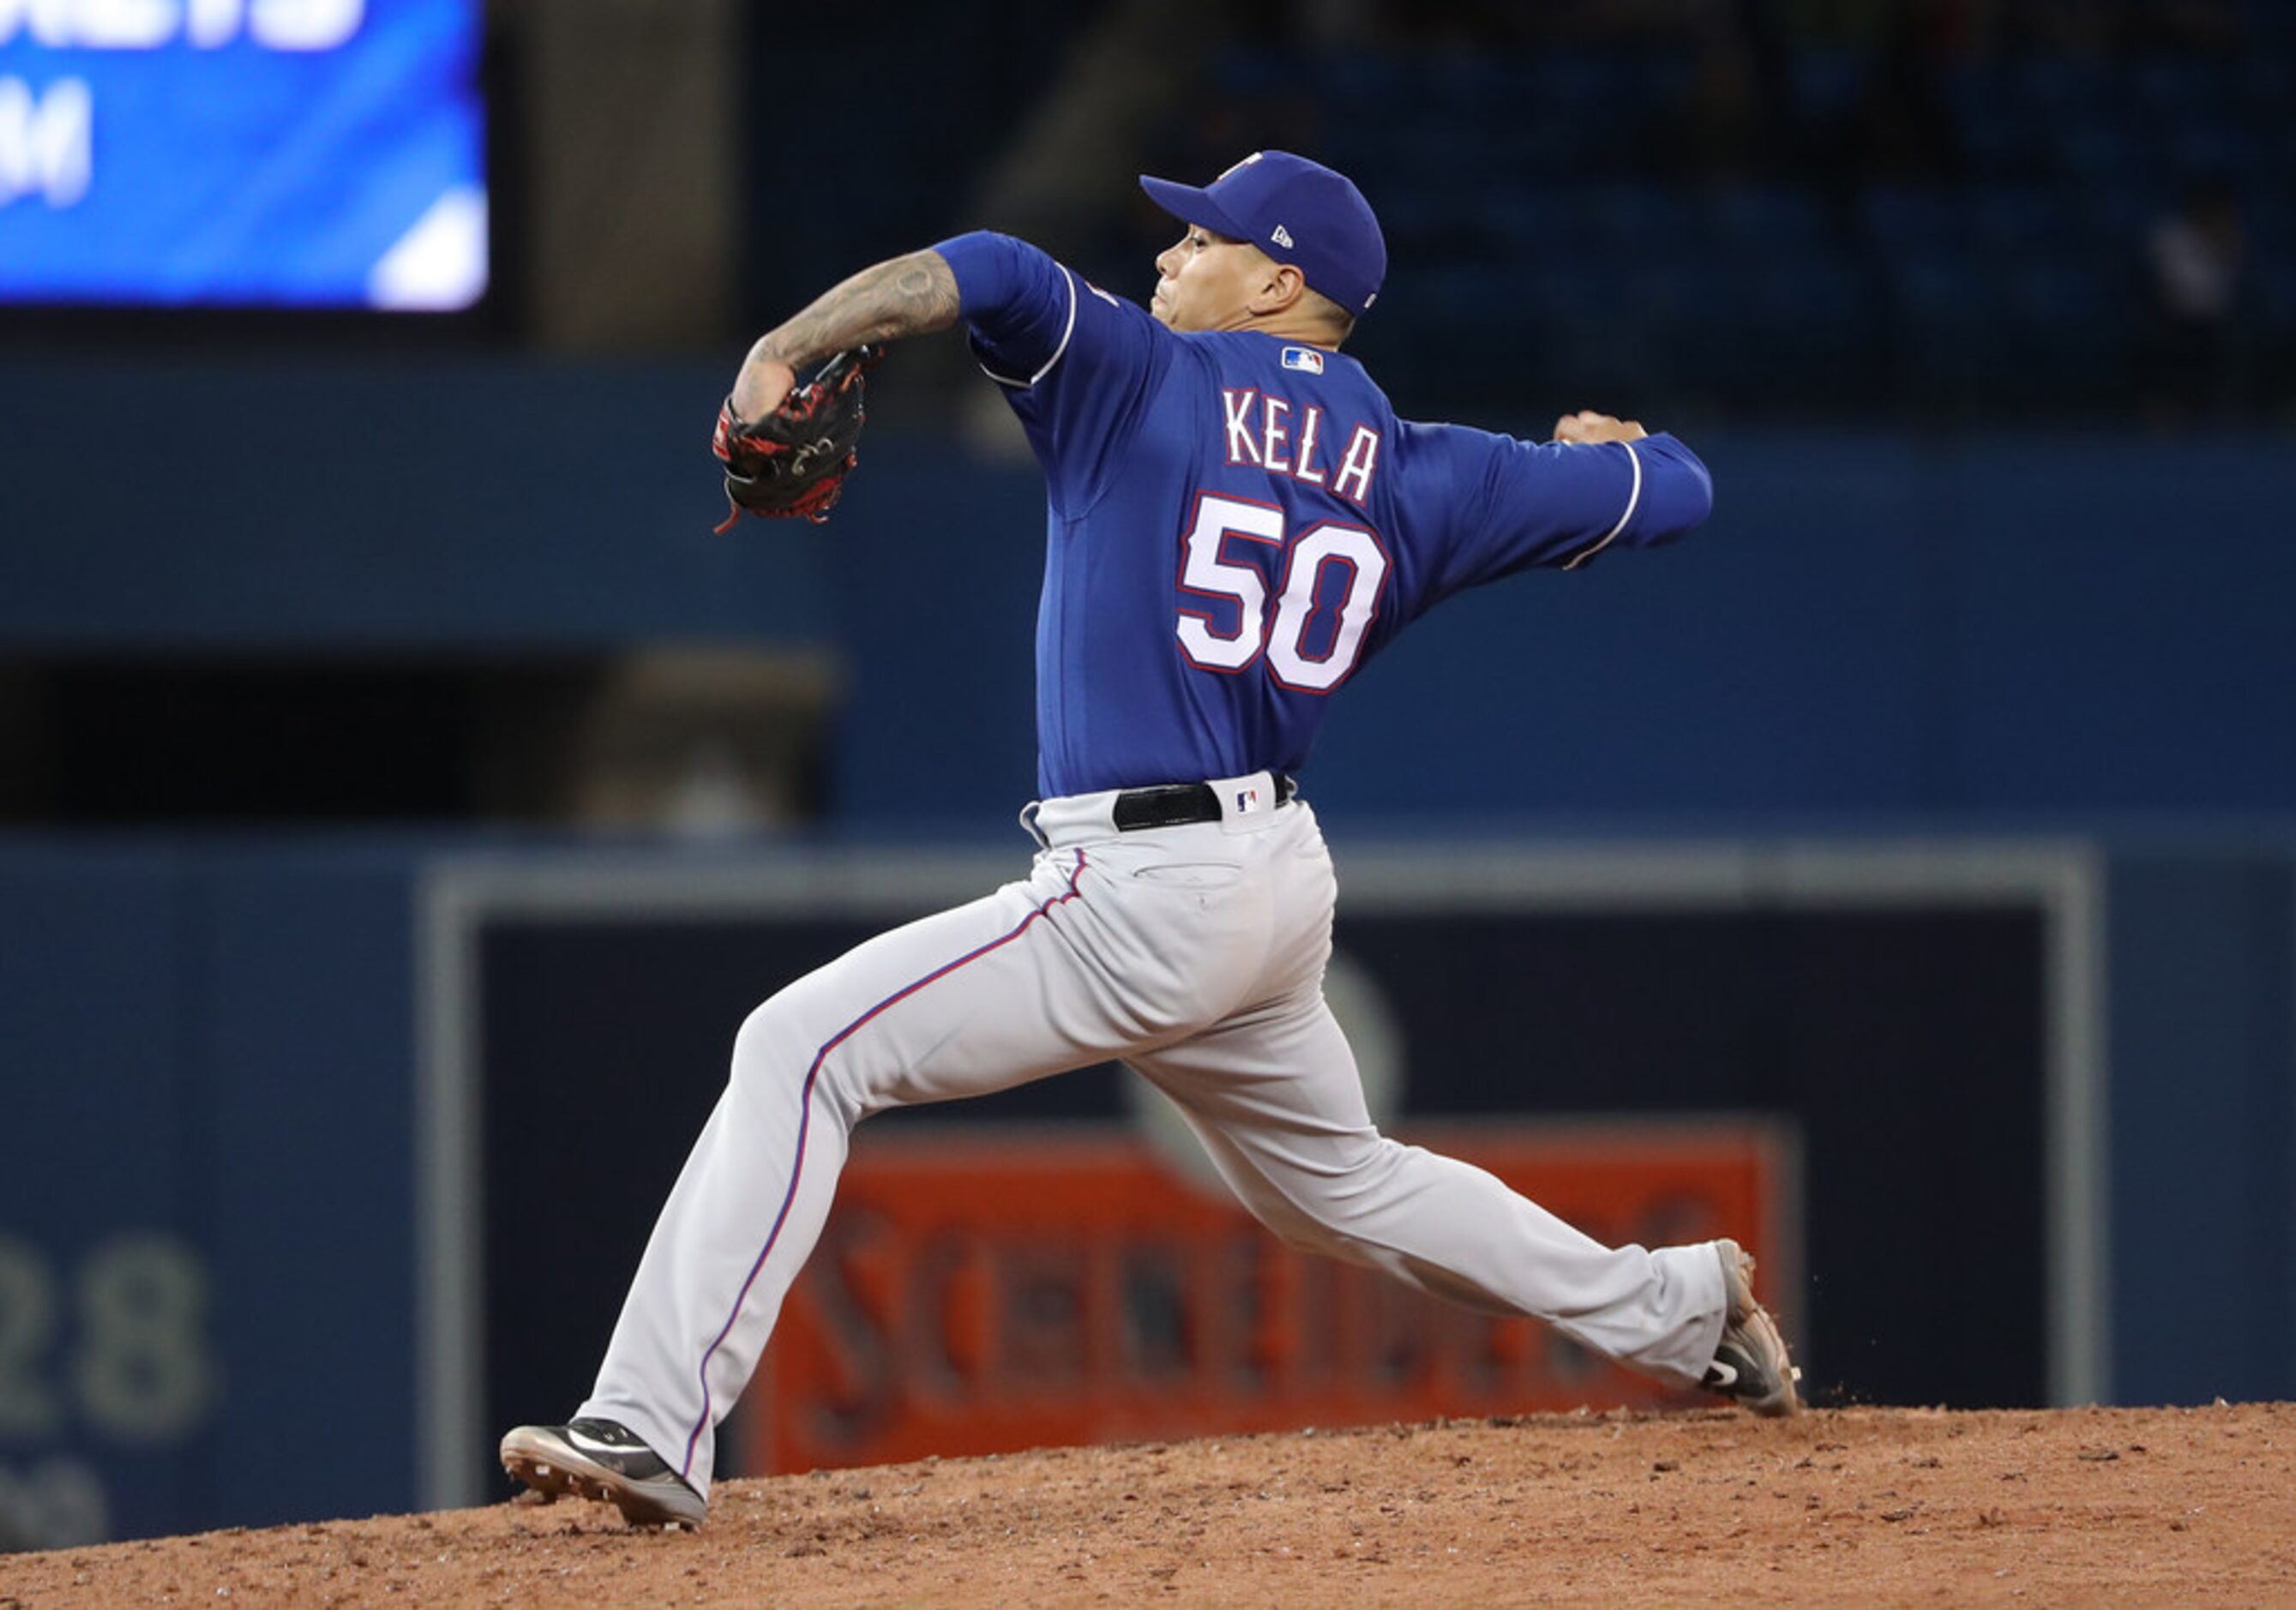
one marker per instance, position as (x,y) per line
(1751,1365)
(603,1460)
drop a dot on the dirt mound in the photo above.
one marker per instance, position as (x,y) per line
(1841,1505)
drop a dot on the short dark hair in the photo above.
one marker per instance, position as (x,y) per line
(1341,321)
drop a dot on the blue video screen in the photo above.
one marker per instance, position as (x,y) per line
(251,153)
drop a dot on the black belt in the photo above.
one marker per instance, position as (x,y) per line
(1178,804)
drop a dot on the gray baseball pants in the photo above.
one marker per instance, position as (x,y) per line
(1195,954)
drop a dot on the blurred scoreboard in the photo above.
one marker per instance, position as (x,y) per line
(306,153)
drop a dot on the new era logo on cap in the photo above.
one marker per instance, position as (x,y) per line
(1280,235)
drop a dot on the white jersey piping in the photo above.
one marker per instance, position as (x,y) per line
(1633,499)
(1066,332)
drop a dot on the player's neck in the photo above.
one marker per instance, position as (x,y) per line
(1289,326)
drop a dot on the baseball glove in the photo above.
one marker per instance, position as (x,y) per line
(793,461)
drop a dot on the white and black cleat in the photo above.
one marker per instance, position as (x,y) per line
(1751,1366)
(605,1460)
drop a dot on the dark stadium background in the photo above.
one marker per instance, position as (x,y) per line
(1983,314)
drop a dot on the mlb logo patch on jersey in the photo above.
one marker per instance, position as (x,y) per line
(1304,359)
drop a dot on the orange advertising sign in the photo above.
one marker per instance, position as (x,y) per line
(988,1291)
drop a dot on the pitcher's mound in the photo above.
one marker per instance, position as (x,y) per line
(1838,1507)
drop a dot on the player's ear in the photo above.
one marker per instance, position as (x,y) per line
(1282,287)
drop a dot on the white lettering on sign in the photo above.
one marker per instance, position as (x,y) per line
(47,141)
(124,24)
(132,1354)
(208,23)
(50,21)
(305,24)
(58,1503)
(290,25)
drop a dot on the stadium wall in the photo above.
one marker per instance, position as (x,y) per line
(2003,625)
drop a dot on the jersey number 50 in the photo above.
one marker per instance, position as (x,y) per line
(1306,647)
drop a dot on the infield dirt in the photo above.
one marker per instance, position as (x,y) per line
(1848,1507)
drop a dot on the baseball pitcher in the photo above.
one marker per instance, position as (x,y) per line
(1237,520)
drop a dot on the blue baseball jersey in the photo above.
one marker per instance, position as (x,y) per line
(1238,522)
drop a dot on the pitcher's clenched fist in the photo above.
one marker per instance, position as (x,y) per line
(1586,425)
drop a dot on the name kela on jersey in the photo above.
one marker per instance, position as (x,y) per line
(1261,432)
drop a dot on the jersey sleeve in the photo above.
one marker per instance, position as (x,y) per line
(1517,503)
(1077,365)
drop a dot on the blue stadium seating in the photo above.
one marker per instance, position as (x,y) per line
(2262,87)
(1995,131)
(2011,219)
(1518,197)
(2098,148)
(1912,220)
(1658,220)
(1756,219)
(1536,220)
(2172,87)
(2272,299)
(2060,87)
(2206,147)
(1827,84)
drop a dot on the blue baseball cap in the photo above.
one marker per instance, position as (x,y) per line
(1296,211)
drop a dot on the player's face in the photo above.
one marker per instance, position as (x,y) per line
(1205,282)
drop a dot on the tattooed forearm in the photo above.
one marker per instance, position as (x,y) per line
(910,295)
